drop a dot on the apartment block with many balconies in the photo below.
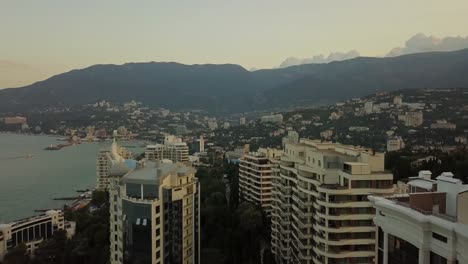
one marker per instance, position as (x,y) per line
(256,173)
(320,210)
(173,149)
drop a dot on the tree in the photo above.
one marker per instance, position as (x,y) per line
(17,255)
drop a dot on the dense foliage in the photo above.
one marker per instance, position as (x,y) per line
(403,163)
(232,232)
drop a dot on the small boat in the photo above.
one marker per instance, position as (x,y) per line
(30,156)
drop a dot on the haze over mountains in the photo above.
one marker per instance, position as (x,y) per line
(230,88)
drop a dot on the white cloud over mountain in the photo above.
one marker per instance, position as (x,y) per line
(423,43)
(417,43)
(335,56)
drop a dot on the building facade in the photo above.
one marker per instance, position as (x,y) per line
(277,118)
(173,149)
(155,215)
(32,231)
(413,119)
(320,209)
(111,162)
(395,144)
(428,225)
(256,173)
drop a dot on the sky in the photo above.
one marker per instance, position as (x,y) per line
(39,39)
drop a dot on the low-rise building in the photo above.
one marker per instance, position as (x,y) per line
(327,134)
(278,118)
(395,144)
(32,231)
(443,124)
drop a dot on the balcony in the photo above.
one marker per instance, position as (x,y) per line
(344,204)
(333,252)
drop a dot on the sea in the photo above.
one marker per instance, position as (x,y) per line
(30,177)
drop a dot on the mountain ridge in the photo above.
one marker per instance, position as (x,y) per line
(224,88)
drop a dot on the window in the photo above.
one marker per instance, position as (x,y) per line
(158,209)
(158,254)
(158,220)
(439,237)
(158,232)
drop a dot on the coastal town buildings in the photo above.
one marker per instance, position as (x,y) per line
(320,211)
(427,225)
(173,149)
(256,174)
(155,215)
(32,231)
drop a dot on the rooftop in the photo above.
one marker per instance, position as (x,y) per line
(150,172)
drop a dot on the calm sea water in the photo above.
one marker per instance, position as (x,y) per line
(27,184)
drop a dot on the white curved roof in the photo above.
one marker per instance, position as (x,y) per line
(420,183)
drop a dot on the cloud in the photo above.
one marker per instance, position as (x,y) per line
(423,43)
(335,56)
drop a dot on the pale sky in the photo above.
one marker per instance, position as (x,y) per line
(40,38)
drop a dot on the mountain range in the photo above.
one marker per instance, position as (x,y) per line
(230,88)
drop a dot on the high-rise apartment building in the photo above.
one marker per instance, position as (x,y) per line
(155,215)
(202,144)
(398,100)
(428,225)
(112,162)
(32,231)
(414,119)
(321,213)
(256,173)
(173,149)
